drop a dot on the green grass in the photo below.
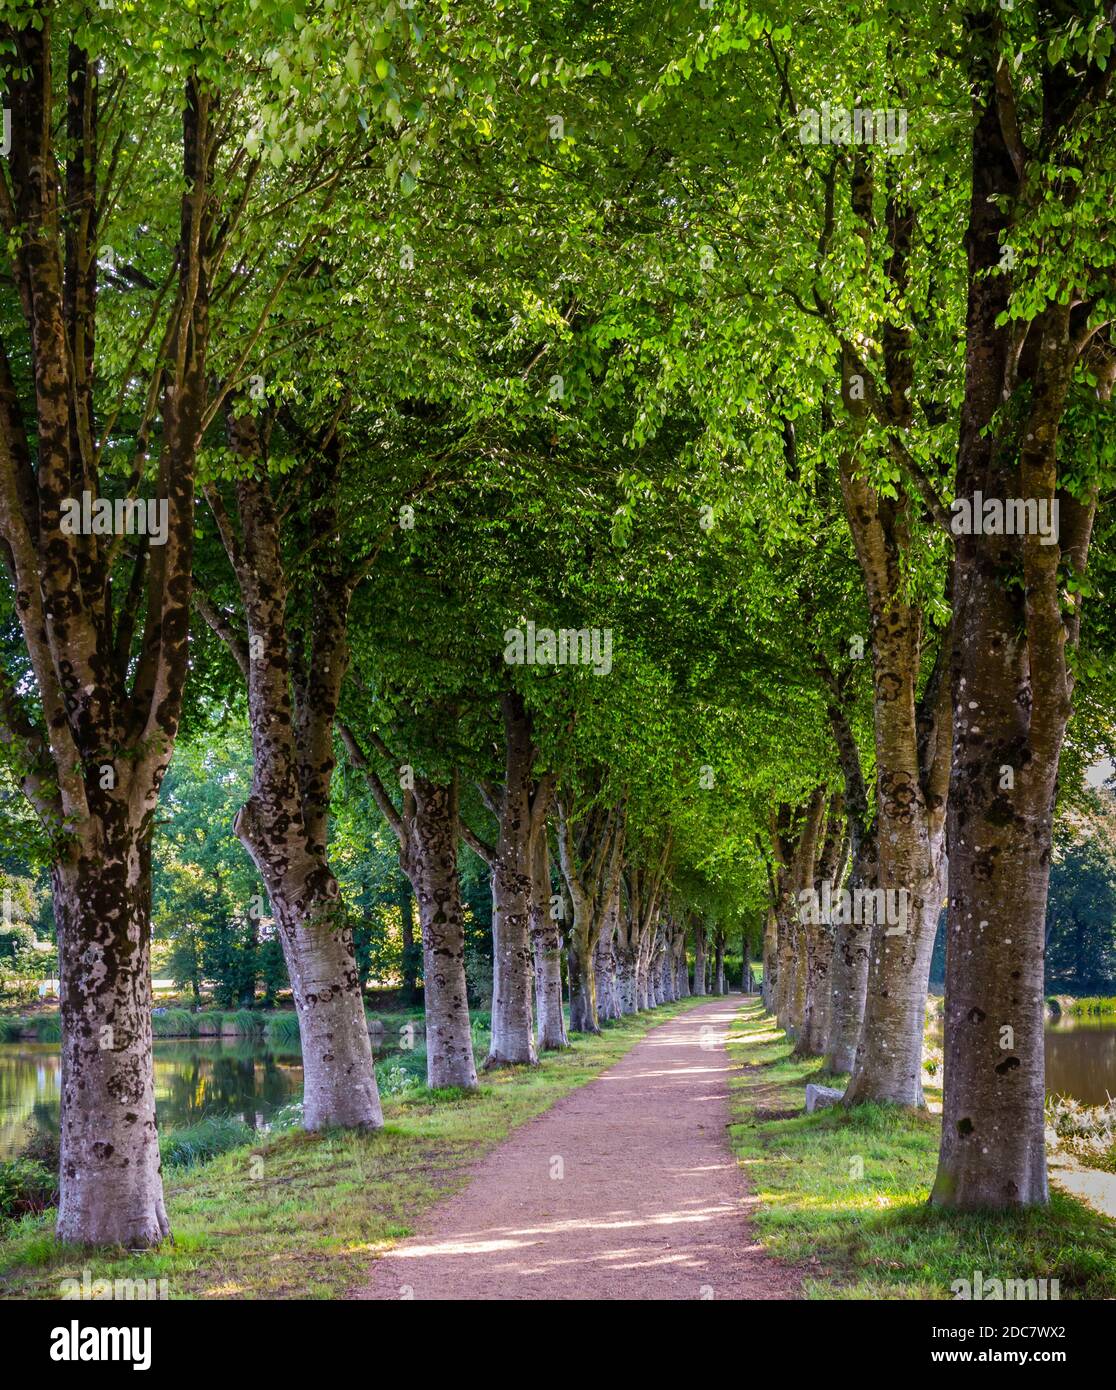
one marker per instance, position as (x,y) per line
(302,1216)
(1094,1004)
(197,1143)
(844,1193)
(175,1023)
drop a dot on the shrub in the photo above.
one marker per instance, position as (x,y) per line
(42,1145)
(17,942)
(26,1186)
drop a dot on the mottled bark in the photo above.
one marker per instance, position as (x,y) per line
(604,965)
(589,851)
(626,977)
(719,960)
(769,984)
(292,705)
(911,736)
(681,964)
(517,805)
(851,939)
(546,945)
(583,982)
(111,1188)
(817,933)
(429,859)
(795,836)
(107,652)
(848,983)
(699,955)
(427,827)
(406,901)
(1017,605)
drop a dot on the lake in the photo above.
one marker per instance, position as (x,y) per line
(1081,1058)
(194,1077)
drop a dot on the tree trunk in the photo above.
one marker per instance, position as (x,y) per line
(513,1041)
(667,993)
(888,1063)
(814,1032)
(993,1146)
(107,654)
(590,855)
(682,965)
(699,957)
(911,739)
(429,859)
(546,944)
(339,1080)
(604,966)
(719,968)
(626,979)
(849,975)
(770,981)
(284,823)
(817,932)
(848,983)
(1017,601)
(583,984)
(790,972)
(111,1178)
(427,829)
(410,955)
(643,977)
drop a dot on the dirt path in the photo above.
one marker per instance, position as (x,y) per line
(651,1203)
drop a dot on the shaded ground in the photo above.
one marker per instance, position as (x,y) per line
(625,1189)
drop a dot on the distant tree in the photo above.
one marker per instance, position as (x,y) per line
(1081,916)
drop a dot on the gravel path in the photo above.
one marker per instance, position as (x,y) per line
(625,1189)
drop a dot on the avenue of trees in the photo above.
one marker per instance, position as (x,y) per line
(532,443)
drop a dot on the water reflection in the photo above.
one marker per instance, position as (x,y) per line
(1081,1059)
(193,1078)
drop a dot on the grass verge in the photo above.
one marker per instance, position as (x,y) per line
(843,1193)
(296,1215)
